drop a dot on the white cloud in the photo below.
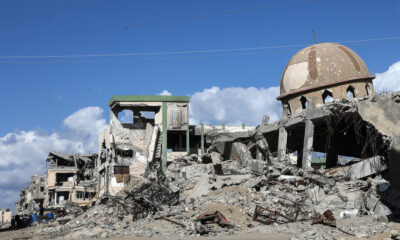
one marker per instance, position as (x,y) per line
(125,116)
(165,93)
(389,80)
(86,120)
(23,153)
(235,105)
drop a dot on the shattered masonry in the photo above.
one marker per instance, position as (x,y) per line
(160,168)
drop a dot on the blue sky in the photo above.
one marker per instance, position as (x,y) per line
(41,95)
(38,94)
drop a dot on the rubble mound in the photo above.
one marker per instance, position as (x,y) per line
(199,199)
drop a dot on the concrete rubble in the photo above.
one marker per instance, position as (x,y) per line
(242,183)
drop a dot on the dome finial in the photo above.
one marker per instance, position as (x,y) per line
(315,36)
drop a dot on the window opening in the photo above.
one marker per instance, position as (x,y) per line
(327,96)
(350,92)
(304,102)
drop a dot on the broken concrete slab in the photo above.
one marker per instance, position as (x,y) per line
(350,192)
(196,171)
(367,167)
(316,194)
(240,153)
(230,167)
(223,136)
(289,178)
(215,157)
(226,181)
(376,206)
(201,188)
(258,166)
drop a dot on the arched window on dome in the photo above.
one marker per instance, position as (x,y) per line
(286,108)
(368,89)
(350,92)
(327,96)
(304,102)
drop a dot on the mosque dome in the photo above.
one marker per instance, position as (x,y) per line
(321,66)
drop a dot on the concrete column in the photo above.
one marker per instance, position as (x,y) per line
(202,139)
(332,152)
(187,134)
(164,137)
(282,141)
(299,158)
(308,144)
(180,142)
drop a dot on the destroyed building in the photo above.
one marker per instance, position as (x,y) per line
(32,195)
(158,129)
(329,107)
(152,166)
(125,148)
(70,177)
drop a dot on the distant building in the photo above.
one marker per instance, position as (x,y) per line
(5,216)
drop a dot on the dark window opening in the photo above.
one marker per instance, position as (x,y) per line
(61,197)
(304,102)
(79,195)
(286,108)
(89,195)
(62,177)
(121,170)
(42,189)
(65,162)
(327,96)
(350,92)
(124,153)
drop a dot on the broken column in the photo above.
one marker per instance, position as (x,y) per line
(282,141)
(308,144)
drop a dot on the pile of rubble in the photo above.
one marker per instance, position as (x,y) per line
(213,195)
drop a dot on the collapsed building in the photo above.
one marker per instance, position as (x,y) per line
(156,167)
(32,195)
(70,177)
(329,106)
(158,130)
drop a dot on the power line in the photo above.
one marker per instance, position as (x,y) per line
(145,59)
(190,51)
(155,53)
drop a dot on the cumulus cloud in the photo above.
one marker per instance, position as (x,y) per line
(389,80)
(235,105)
(23,153)
(165,93)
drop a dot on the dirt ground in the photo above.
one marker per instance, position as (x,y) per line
(26,233)
(23,234)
